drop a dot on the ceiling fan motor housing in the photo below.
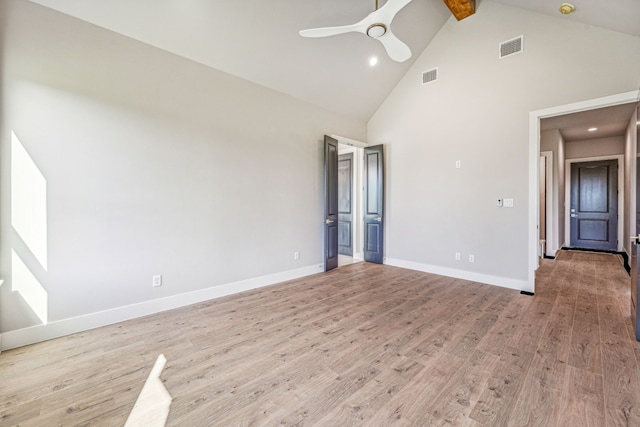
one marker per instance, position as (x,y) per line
(376,30)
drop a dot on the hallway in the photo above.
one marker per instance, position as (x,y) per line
(589,331)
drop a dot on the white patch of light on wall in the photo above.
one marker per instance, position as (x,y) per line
(25,283)
(29,220)
(28,201)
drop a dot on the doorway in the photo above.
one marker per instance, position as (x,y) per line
(367,174)
(535,119)
(349,204)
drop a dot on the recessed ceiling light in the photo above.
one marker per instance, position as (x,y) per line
(592,129)
(373,61)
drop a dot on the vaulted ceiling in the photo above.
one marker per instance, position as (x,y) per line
(259,41)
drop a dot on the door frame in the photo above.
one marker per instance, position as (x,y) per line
(550,222)
(534,168)
(567,195)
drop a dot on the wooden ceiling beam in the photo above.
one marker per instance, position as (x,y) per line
(461,8)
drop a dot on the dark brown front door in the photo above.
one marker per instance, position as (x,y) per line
(594,205)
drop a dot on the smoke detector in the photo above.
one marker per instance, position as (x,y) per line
(567,8)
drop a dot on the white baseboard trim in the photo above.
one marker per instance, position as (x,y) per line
(59,328)
(505,282)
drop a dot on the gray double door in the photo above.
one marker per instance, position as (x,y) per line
(335,234)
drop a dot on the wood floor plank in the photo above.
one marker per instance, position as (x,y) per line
(555,342)
(362,407)
(540,393)
(498,398)
(418,393)
(457,398)
(509,322)
(585,352)
(564,310)
(582,402)
(621,397)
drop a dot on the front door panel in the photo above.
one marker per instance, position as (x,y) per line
(594,205)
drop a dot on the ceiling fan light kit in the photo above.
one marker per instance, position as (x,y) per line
(376,25)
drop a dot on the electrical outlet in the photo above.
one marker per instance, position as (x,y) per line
(472,258)
(457,256)
(296,255)
(157,280)
(458,164)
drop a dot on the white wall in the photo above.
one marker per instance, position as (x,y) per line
(477,112)
(595,147)
(154,165)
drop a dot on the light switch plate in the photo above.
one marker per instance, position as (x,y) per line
(508,203)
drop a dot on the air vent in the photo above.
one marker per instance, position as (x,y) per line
(511,47)
(429,76)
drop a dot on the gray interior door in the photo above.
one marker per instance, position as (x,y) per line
(373,204)
(330,203)
(594,205)
(345,204)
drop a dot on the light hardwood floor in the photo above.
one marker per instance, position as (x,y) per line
(364,345)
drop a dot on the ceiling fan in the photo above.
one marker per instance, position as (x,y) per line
(376,25)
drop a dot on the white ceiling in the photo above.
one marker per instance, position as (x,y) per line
(610,121)
(258,40)
(617,15)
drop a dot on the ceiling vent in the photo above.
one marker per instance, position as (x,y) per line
(511,47)
(430,76)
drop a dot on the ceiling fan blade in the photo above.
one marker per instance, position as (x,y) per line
(388,11)
(396,49)
(332,31)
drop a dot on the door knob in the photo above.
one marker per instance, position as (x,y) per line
(329,221)
(635,239)
(379,219)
